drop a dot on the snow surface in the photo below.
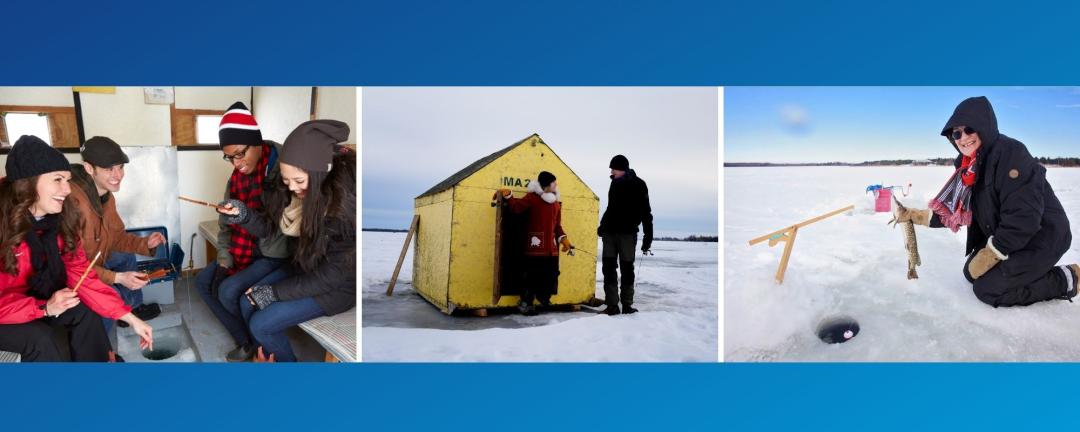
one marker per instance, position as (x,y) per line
(676,294)
(856,265)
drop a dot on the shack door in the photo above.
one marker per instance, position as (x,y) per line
(509,252)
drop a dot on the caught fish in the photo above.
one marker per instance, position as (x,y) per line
(910,243)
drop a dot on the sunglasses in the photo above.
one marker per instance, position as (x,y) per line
(237,155)
(967,131)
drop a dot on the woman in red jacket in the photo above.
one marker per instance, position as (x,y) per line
(544,234)
(41,260)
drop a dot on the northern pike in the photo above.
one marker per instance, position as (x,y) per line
(910,243)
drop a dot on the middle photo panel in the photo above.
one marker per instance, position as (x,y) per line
(540,224)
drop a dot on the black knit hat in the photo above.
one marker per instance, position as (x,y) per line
(619,162)
(545,178)
(103,152)
(30,156)
(238,127)
(311,145)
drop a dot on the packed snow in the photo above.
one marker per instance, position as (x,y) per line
(855,265)
(676,295)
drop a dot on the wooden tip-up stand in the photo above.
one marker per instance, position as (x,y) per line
(787,235)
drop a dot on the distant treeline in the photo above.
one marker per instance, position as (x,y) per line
(693,238)
(1056,161)
(388,230)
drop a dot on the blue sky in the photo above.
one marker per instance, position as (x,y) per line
(414,137)
(855,124)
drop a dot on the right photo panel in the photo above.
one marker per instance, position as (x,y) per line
(901,224)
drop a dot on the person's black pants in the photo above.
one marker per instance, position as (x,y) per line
(541,279)
(36,343)
(618,254)
(1018,283)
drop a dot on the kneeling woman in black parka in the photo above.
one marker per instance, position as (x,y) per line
(1017,229)
(315,205)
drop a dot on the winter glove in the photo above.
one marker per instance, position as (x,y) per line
(985,259)
(262,296)
(220,273)
(916,216)
(241,218)
(600,231)
(646,246)
(565,242)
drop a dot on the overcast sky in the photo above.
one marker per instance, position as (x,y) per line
(415,137)
(856,124)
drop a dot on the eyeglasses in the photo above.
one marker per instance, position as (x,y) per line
(967,131)
(235,156)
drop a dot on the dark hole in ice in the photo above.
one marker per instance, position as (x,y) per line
(837,329)
(166,346)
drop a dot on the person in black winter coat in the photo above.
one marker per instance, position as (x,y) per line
(627,207)
(1017,229)
(315,206)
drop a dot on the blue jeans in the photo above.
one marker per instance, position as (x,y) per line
(120,262)
(268,325)
(226,304)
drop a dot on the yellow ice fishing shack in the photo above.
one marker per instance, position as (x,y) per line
(466,256)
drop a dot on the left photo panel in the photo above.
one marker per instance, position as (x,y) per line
(178,224)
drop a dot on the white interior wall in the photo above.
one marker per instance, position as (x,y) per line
(279,110)
(125,118)
(211,98)
(203,176)
(37,96)
(338,103)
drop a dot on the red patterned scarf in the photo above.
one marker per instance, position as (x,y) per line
(247,188)
(953,203)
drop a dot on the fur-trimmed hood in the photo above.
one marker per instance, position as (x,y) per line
(548,197)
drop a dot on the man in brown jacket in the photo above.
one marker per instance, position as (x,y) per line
(97,178)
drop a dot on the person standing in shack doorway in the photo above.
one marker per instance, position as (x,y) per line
(243,258)
(97,178)
(544,235)
(627,207)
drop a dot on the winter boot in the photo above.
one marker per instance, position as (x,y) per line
(241,353)
(527,309)
(611,310)
(627,309)
(1072,277)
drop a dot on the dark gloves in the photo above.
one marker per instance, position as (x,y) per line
(646,246)
(262,296)
(220,273)
(241,218)
(600,231)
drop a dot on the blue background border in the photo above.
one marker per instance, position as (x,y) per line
(548,397)
(609,42)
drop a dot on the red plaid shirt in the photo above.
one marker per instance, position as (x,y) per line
(247,188)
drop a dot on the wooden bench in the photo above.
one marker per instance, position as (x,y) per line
(336,334)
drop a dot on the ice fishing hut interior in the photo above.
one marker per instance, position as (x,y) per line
(464,260)
(171,137)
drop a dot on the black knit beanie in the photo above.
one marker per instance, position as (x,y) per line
(30,156)
(311,145)
(619,162)
(545,178)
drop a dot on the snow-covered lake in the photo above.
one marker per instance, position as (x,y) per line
(676,294)
(855,265)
